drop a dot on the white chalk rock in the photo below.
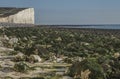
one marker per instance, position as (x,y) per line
(35,58)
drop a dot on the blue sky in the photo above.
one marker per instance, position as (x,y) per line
(71,11)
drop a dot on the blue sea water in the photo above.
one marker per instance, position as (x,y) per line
(103,27)
(92,26)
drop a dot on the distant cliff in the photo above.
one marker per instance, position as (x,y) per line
(17,15)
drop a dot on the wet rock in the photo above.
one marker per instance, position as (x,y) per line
(66,77)
(20,54)
(7,63)
(35,58)
(5,49)
(60,73)
(20,57)
(6,69)
(116,55)
(13,40)
(1,43)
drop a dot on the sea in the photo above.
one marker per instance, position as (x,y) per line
(89,26)
(93,26)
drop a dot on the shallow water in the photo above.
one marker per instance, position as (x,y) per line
(94,26)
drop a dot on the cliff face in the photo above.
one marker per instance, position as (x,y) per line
(25,16)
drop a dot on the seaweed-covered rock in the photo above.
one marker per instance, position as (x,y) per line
(95,70)
(20,57)
(67,77)
(21,67)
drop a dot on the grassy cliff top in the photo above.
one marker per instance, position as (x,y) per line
(6,11)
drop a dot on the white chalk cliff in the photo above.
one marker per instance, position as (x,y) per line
(25,16)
